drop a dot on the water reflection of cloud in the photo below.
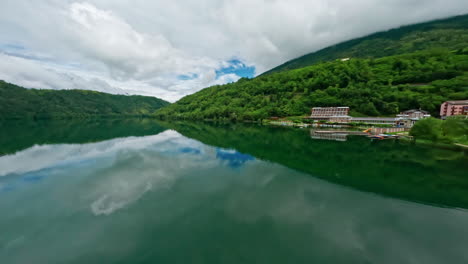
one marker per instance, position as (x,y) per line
(233,158)
(155,169)
(190,150)
(166,192)
(17,181)
(7,187)
(33,178)
(47,156)
(128,179)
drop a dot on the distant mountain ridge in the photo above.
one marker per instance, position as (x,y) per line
(20,103)
(450,33)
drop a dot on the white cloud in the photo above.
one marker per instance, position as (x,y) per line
(128,53)
(30,73)
(38,160)
(143,46)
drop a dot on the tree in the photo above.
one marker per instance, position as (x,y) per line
(369,109)
(456,127)
(429,128)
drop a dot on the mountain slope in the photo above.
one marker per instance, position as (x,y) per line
(451,33)
(371,87)
(20,103)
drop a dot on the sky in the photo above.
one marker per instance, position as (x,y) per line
(170,49)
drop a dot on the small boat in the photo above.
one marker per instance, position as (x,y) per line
(388,136)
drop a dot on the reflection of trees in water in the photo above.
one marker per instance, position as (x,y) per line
(19,135)
(401,170)
(392,168)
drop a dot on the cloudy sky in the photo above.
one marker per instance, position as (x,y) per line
(171,48)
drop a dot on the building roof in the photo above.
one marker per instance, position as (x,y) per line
(461,102)
(414,111)
(341,107)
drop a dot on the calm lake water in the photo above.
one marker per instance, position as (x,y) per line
(142,191)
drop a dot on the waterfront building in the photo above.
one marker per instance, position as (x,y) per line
(331,114)
(340,115)
(414,114)
(410,117)
(376,120)
(451,108)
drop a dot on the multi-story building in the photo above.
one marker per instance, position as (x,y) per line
(376,120)
(405,119)
(331,114)
(451,108)
(414,114)
(410,117)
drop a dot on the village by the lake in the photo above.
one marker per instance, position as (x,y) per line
(340,124)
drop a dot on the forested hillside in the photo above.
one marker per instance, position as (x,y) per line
(20,103)
(371,87)
(449,33)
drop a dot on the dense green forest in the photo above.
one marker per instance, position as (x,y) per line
(449,33)
(452,130)
(383,86)
(20,103)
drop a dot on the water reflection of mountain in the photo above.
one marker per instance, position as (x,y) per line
(19,135)
(400,170)
(406,171)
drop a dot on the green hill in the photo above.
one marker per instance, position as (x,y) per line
(449,33)
(371,87)
(20,103)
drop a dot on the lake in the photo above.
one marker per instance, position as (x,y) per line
(146,191)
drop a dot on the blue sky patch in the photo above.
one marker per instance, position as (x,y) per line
(187,77)
(10,46)
(19,51)
(238,68)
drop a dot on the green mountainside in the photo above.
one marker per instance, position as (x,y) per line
(417,66)
(383,86)
(20,103)
(449,33)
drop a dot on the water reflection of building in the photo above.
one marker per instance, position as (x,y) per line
(328,136)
